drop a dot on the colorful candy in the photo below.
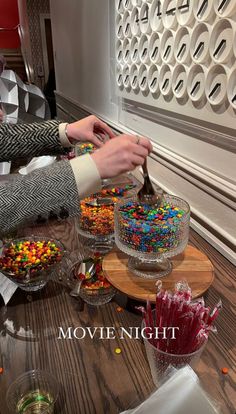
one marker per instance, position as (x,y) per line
(117,191)
(99,220)
(152,229)
(85,148)
(23,257)
(97,281)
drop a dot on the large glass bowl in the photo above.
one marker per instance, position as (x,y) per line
(96,219)
(35,278)
(150,235)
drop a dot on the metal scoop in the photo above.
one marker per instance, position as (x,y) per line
(147,193)
(87,266)
(97,202)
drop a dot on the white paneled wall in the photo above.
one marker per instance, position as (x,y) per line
(193,159)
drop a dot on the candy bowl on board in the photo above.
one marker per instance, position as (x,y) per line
(30,262)
(151,234)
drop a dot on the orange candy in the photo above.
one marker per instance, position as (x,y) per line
(225,370)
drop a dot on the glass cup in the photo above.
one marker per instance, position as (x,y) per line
(34,392)
(161,362)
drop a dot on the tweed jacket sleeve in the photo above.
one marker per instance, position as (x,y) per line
(30,140)
(48,193)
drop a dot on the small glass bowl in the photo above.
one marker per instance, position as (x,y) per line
(33,392)
(36,281)
(92,296)
(97,296)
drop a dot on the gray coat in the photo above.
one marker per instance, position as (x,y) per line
(44,194)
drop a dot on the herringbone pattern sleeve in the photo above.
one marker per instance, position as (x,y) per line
(44,194)
(30,140)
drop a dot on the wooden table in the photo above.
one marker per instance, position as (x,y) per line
(93,378)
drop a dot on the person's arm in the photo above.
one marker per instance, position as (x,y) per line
(43,194)
(49,137)
(55,191)
(30,140)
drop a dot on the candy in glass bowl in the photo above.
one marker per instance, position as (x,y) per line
(151,234)
(31,262)
(92,286)
(96,220)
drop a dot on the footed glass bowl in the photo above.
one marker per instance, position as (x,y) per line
(96,224)
(150,235)
(30,262)
(96,219)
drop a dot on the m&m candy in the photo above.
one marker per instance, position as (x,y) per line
(29,256)
(151,229)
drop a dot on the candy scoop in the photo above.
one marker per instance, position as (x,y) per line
(147,193)
(87,267)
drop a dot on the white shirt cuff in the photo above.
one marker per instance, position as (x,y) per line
(63,137)
(86,174)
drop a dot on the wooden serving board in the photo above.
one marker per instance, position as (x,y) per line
(192,265)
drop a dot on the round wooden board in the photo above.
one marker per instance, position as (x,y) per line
(192,265)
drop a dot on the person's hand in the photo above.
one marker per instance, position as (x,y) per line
(121,154)
(1,115)
(86,130)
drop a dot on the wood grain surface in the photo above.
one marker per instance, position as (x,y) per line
(93,378)
(192,265)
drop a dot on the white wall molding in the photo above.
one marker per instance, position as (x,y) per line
(211,195)
(216,135)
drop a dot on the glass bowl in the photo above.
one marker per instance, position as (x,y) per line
(150,235)
(32,276)
(92,287)
(96,219)
(97,296)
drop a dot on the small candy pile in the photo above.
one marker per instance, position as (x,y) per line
(85,148)
(97,281)
(21,257)
(192,320)
(151,229)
